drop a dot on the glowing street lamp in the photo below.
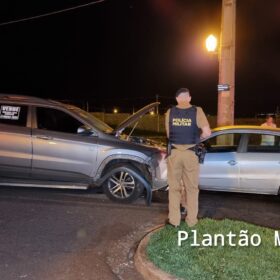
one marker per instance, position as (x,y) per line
(211,43)
(115,111)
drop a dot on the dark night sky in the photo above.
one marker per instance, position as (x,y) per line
(125,52)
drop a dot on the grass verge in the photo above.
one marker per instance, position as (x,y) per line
(216,261)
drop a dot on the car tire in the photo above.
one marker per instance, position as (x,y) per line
(122,186)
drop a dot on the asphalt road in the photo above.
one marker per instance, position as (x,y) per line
(70,235)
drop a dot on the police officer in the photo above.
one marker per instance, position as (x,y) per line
(185,126)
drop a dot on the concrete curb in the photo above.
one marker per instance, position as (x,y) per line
(146,268)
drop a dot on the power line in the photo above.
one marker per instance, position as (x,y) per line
(51,13)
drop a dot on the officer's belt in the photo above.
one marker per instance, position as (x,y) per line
(191,148)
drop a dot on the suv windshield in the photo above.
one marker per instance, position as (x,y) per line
(100,125)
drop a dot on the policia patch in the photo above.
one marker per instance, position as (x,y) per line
(181,122)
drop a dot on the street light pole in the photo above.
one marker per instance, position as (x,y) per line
(225,115)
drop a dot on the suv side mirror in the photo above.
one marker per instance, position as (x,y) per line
(84,130)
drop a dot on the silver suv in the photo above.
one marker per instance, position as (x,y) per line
(45,143)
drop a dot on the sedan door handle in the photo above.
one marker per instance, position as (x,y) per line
(44,137)
(232,162)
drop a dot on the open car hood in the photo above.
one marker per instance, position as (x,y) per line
(135,117)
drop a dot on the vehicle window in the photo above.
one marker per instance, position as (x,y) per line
(56,120)
(13,114)
(100,125)
(223,143)
(263,143)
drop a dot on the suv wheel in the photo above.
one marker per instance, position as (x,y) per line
(122,186)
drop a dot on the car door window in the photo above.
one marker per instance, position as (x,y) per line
(13,114)
(223,143)
(263,143)
(56,120)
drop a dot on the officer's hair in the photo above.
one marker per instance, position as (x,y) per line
(182,90)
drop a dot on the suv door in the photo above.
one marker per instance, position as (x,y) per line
(220,170)
(260,164)
(15,147)
(59,152)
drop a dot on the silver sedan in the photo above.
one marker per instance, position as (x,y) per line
(242,159)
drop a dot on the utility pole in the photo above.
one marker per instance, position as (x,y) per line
(226,102)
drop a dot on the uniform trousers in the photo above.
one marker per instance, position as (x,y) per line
(183,166)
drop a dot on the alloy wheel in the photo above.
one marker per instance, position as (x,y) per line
(121,184)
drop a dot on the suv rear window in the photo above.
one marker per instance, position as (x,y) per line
(13,114)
